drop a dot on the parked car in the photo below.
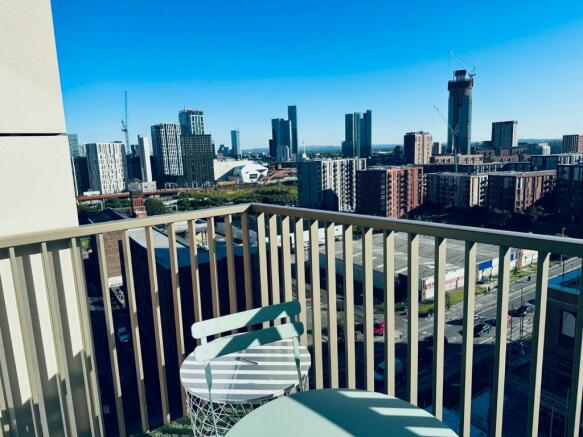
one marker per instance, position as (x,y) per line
(429,340)
(379,327)
(123,334)
(479,318)
(379,374)
(481,329)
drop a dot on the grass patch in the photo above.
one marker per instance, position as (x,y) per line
(178,428)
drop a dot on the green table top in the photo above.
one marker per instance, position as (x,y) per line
(327,413)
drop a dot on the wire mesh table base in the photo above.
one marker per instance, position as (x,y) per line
(226,414)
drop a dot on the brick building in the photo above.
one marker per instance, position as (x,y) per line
(462,159)
(417,147)
(389,191)
(518,191)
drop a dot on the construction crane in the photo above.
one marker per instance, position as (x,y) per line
(472,72)
(124,122)
(454,133)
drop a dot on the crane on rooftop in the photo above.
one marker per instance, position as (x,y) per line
(454,133)
(124,122)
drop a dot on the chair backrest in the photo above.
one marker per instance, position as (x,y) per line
(243,319)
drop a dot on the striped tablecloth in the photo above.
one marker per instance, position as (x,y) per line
(241,381)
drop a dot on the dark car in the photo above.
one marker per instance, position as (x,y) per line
(522,310)
(481,329)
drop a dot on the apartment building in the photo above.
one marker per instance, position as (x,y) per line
(417,147)
(461,159)
(518,191)
(552,161)
(456,189)
(106,165)
(572,143)
(389,191)
(570,191)
(329,183)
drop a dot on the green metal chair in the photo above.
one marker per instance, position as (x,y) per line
(208,350)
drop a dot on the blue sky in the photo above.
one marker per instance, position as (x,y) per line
(243,62)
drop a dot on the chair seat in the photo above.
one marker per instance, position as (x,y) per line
(236,381)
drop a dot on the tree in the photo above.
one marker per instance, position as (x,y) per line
(155,206)
(447,301)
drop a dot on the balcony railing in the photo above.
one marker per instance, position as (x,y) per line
(51,368)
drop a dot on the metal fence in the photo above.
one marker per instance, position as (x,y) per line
(45,322)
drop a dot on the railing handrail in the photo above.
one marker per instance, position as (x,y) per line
(538,242)
(521,240)
(118,225)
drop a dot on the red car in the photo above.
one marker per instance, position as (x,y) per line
(379,327)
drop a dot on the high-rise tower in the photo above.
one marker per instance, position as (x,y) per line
(357,135)
(191,122)
(292,115)
(460,112)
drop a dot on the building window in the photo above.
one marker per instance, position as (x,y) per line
(567,338)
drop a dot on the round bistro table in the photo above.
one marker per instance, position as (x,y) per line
(327,413)
(242,381)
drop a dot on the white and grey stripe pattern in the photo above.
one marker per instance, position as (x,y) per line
(240,381)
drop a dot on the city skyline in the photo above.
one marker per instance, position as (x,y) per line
(399,79)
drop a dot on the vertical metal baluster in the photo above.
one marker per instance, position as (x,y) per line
(538,342)
(157,316)
(367,291)
(210,231)
(274,260)
(263,281)
(331,289)
(468,338)
(247,261)
(301,276)
(194,274)
(439,326)
(316,310)
(111,335)
(136,341)
(501,330)
(413,315)
(348,284)
(286,253)
(233,305)
(389,313)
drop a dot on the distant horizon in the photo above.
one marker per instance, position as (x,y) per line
(240,68)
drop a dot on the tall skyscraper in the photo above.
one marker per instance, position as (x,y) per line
(460,112)
(572,143)
(167,152)
(329,183)
(106,164)
(504,134)
(235,144)
(191,121)
(73,145)
(417,147)
(281,139)
(143,153)
(292,115)
(197,157)
(357,135)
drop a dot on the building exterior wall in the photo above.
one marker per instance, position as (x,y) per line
(456,189)
(235,144)
(504,134)
(552,162)
(460,113)
(389,192)
(570,191)
(573,143)
(167,151)
(191,122)
(143,151)
(105,162)
(329,184)
(198,152)
(518,191)
(462,159)
(417,147)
